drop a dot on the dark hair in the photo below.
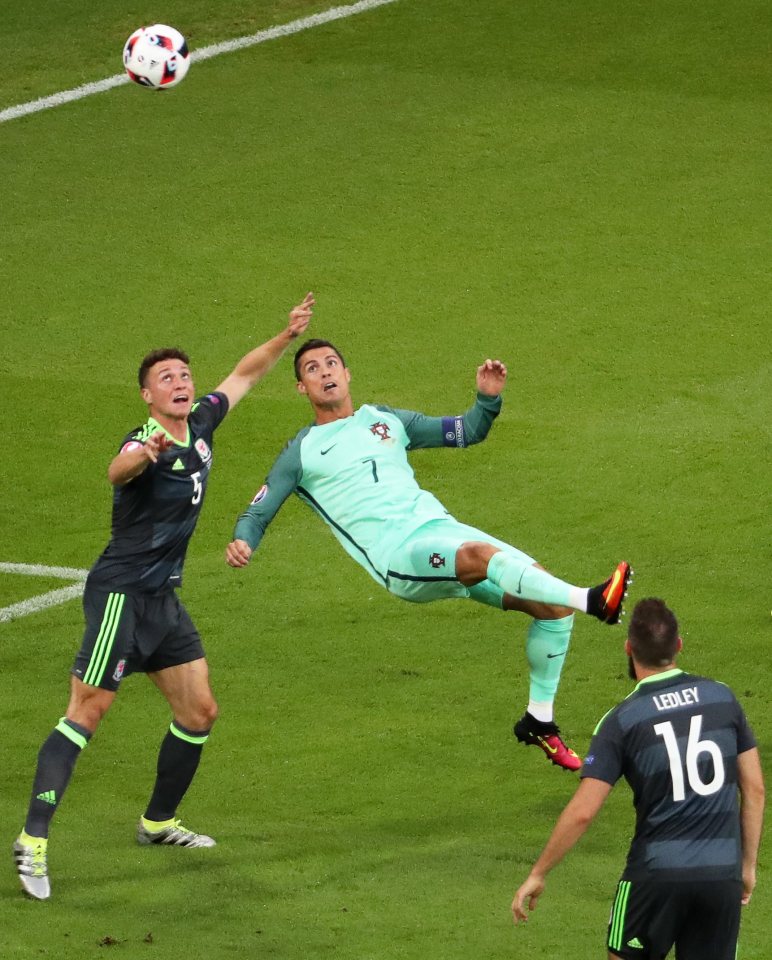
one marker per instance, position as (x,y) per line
(156,356)
(653,633)
(313,345)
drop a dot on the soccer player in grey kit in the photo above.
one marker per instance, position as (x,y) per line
(683,744)
(134,621)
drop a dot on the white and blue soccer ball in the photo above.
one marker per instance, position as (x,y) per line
(156,57)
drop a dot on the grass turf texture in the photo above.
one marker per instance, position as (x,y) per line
(581,192)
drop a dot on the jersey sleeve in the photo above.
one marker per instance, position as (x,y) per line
(211,409)
(745,738)
(282,480)
(133,440)
(604,759)
(461,430)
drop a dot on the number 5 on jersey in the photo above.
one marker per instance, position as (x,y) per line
(198,487)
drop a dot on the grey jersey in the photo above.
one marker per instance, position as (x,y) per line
(676,740)
(155,514)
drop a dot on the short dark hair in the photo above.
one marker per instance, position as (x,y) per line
(156,356)
(313,345)
(653,633)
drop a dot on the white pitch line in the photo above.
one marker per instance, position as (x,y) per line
(43,600)
(40,570)
(118,79)
(51,599)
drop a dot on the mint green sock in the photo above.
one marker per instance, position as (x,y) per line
(546,649)
(527,581)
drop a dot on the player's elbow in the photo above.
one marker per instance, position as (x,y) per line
(753,792)
(583,818)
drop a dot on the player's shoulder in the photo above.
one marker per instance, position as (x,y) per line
(213,402)
(383,413)
(374,409)
(139,434)
(609,720)
(292,449)
(712,690)
(702,687)
(299,437)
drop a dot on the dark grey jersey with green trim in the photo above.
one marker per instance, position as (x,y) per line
(354,472)
(676,740)
(155,514)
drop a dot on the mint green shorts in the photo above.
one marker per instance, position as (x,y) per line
(423,567)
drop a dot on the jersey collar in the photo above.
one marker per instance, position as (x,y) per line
(157,426)
(656,677)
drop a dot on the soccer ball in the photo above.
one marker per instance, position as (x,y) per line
(156,57)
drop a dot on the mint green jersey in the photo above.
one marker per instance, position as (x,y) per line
(355,474)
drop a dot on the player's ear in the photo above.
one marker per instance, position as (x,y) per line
(680,646)
(146,395)
(301,387)
(628,649)
(348,374)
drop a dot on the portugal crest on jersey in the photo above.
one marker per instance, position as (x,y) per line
(380,429)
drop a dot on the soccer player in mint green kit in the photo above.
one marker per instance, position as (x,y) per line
(351,468)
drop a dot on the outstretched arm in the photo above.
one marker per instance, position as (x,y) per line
(578,814)
(258,362)
(280,483)
(464,429)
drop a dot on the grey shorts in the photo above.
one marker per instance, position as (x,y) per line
(130,633)
(423,567)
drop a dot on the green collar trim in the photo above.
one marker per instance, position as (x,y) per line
(152,422)
(655,677)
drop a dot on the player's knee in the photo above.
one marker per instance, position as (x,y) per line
(88,711)
(213,712)
(472,560)
(553,611)
(206,713)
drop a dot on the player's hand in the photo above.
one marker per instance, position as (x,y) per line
(300,316)
(749,882)
(491,377)
(531,890)
(237,553)
(155,445)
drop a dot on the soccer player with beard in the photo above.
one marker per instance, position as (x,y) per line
(683,744)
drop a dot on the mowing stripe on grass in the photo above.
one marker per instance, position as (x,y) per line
(205,53)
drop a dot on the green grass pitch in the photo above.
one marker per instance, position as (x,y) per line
(581,190)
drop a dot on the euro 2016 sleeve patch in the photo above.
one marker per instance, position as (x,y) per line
(261,494)
(130,445)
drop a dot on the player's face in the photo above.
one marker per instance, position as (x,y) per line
(169,389)
(323,378)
